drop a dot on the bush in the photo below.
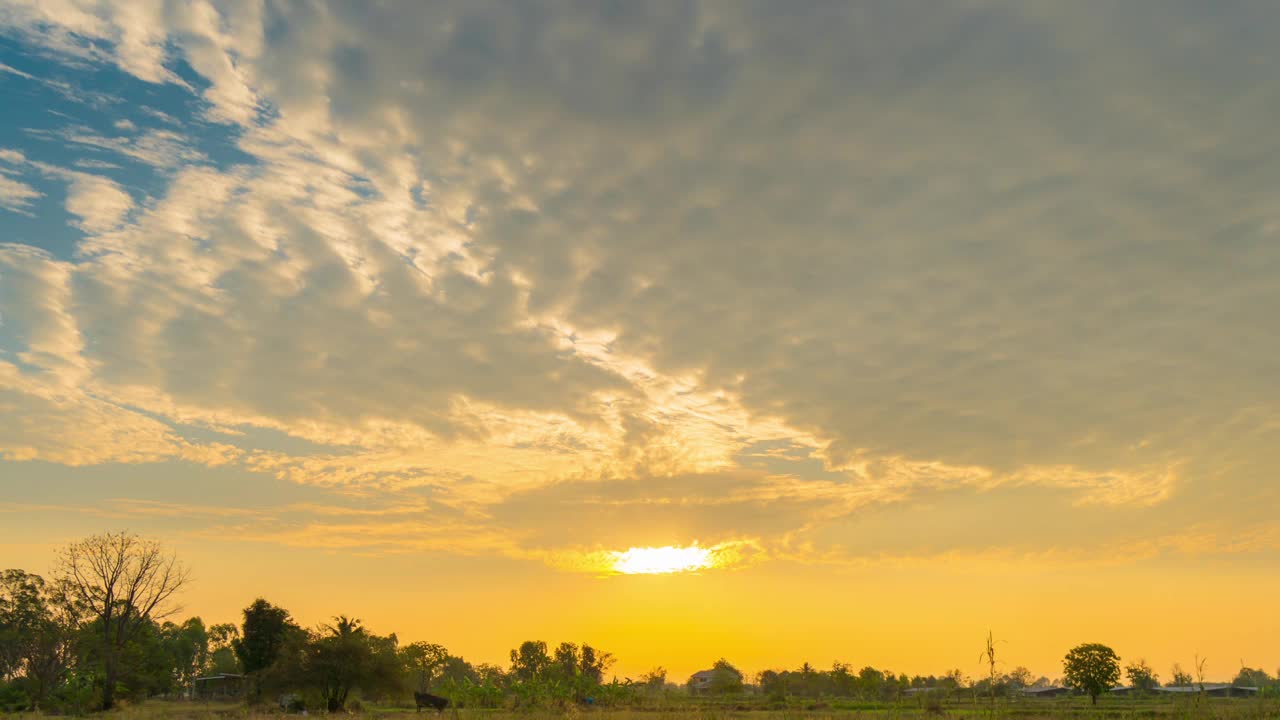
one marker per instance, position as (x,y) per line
(14,698)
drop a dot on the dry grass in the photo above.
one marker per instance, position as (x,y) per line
(1067,709)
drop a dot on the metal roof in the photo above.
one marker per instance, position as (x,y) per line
(1207,687)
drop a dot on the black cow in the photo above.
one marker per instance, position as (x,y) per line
(435,702)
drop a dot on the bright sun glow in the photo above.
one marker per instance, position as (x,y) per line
(657,560)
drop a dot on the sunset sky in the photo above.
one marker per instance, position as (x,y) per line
(919,319)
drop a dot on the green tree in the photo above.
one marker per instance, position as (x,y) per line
(727,678)
(343,657)
(654,680)
(37,633)
(222,654)
(124,582)
(592,664)
(1251,677)
(772,684)
(146,664)
(1178,676)
(457,670)
(264,633)
(565,660)
(870,682)
(1141,677)
(1092,668)
(425,662)
(1020,678)
(187,648)
(530,661)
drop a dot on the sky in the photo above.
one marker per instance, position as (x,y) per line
(916,319)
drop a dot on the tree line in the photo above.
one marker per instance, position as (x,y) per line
(104,628)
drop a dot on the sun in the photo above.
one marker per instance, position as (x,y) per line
(662,560)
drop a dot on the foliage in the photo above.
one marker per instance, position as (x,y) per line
(265,629)
(655,679)
(36,638)
(1141,677)
(1092,668)
(124,582)
(336,659)
(187,650)
(222,654)
(1256,677)
(1019,678)
(1178,676)
(530,661)
(725,678)
(425,661)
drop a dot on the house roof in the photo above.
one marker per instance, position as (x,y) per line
(1207,688)
(1039,690)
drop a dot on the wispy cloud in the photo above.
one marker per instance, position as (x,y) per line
(17,196)
(157,148)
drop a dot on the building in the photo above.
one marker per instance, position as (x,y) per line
(223,686)
(1044,691)
(701,680)
(1210,689)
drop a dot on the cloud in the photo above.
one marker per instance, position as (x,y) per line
(69,29)
(17,196)
(99,203)
(585,262)
(157,148)
(14,71)
(45,395)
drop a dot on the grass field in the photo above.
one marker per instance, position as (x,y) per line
(1021,709)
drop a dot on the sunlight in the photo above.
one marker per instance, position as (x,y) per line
(658,560)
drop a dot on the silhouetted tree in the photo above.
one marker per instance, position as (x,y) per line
(655,679)
(187,649)
(1251,677)
(124,582)
(263,636)
(565,660)
(1092,668)
(222,654)
(530,661)
(592,663)
(1141,676)
(37,633)
(1020,678)
(344,656)
(424,661)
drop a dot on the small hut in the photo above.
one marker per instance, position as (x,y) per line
(223,686)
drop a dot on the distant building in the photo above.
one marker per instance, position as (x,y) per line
(701,680)
(1210,689)
(1044,691)
(912,692)
(223,686)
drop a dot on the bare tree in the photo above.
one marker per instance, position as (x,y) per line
(122,581)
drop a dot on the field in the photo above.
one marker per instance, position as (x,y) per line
(1022,709)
